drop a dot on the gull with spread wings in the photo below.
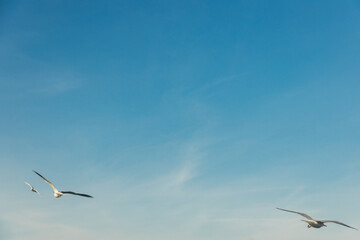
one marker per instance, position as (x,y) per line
(58,193)
(32,188)
(315,223)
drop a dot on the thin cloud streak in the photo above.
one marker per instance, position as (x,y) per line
(57,87)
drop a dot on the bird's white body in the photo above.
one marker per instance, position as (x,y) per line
(314,223)
(57,194)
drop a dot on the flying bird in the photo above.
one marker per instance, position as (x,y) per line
(58,193)
(315,223)
(32,188)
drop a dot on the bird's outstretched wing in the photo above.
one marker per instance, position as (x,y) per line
(302,214)
(28,184)
(47,181)
(74,193)
(337,222)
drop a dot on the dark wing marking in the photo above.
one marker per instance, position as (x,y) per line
(302,214)
(34,190)
(337,222)
(79,194)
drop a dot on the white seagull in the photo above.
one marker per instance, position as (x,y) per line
(315,223)
(32,188)
(57,193)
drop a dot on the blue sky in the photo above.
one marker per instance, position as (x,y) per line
(185,119)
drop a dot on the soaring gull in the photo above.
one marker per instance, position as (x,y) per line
(32,188)
(57,193)
(315,223)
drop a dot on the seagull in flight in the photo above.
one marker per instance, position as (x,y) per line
(32,188)
(315,223)
(58,193)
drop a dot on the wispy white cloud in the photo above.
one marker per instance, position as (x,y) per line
(185,174)
(57,86)
(192,156)
(222,80)
(23,75)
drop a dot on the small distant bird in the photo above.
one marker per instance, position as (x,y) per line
(315,223)
(57,193)
(32,188)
